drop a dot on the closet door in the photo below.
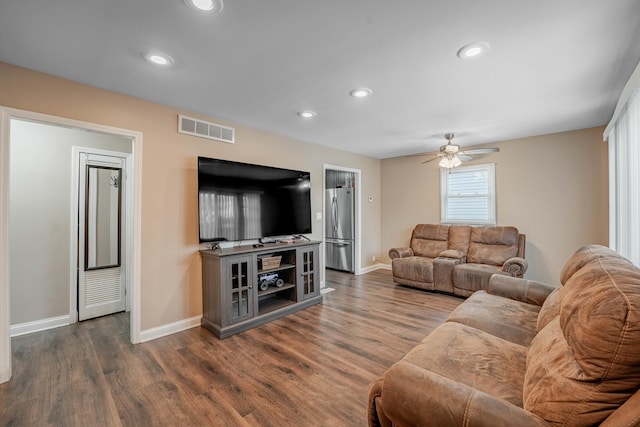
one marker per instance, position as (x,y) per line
(101,285)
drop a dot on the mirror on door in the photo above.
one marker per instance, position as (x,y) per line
(102,219)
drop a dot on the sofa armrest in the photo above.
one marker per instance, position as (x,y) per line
(400,253)
(443,273)
(413,396)
(375,415)
(454,254)
(518,289)
(515,266)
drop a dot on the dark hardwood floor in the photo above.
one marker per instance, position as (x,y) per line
(311,368)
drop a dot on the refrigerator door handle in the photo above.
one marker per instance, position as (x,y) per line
(334,205)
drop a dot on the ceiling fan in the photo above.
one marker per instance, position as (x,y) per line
(451,155)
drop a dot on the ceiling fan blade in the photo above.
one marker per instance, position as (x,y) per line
(428,153)
(465,157)
(430,160)
(482,151)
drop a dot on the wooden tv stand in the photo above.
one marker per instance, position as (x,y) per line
(232,299)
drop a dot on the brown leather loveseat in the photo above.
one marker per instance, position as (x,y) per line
(458,259)
(527,354)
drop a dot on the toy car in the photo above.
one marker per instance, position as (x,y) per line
(269,279)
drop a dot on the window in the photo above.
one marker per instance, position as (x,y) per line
(624,179)
(468,195)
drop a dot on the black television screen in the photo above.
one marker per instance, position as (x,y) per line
(242,201)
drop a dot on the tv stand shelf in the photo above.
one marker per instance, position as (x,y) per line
(281,267)
(231,296)
(272,290)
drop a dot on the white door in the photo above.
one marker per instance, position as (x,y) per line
(101,272)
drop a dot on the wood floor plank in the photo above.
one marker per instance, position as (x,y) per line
(312,368)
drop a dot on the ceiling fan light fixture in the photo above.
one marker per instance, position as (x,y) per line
(451,148)
(449,163)
(473,50)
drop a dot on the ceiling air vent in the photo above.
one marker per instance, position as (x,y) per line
(203,129)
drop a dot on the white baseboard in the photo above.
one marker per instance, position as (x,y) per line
(374,267)
(169,328)
(5,374)
(38,325)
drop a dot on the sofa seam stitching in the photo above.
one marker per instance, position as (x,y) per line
(465,421)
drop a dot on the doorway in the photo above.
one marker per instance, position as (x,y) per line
(342,219)
(40,215)
(51,195)
(102,215)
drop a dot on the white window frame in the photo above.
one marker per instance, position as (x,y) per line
(490,168)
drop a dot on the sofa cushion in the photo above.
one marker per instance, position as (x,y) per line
(475,358)
(492,245)
(429,240)
(504,318)
(415,268)
(453,254)
(582,257)
(586,362)
(459,236)
(473,277)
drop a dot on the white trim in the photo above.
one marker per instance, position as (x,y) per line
(490,168)
(5,306)
(75,245)
(39,325)
(96,156)
(358,216)
(374,267)
(169,328)
(613,191)
(6,114)
(632,84)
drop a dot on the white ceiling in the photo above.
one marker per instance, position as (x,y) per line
(554,65)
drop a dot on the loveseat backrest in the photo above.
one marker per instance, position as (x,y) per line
(429,240)
(484,245)
(493,245)
(459,236)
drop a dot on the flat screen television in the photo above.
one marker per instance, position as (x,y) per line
(242,201)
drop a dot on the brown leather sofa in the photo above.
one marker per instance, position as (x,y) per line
(458,259)
(524,353)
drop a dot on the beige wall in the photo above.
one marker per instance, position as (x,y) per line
(170,271)
(554,188)
(39,215)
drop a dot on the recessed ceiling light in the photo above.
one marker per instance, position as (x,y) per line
(307,114)
(473,50)
(214,6)
(362,92)
(158,58)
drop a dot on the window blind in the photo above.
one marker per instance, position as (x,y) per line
(467,195)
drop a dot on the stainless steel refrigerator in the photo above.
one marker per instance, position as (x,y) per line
(339,228)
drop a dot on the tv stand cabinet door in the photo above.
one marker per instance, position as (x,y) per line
(308,263)
(238,288)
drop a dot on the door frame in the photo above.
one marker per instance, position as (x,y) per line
(126,232)
(358,217)
(6,114)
